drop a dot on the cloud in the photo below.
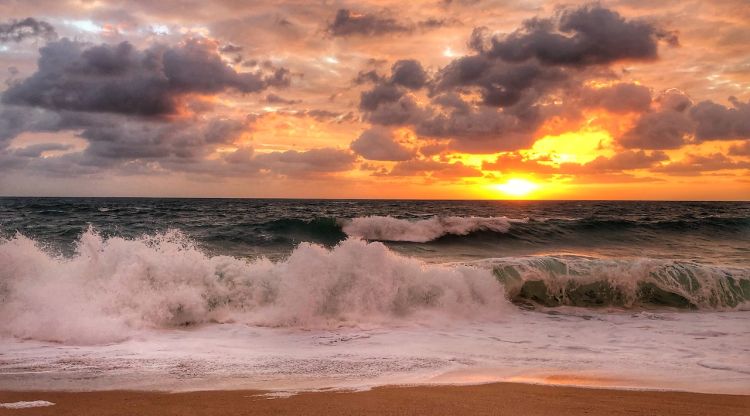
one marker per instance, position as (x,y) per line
(619,98)
(717,122)
(122,79)
(695,164)
(28,28)
(588,35)
(484,130)
(275,99)
(514,162)
(379,143)
(36,150)
(185,141)
(325,160)
(627,160)
(678,122)
(436,169)
(622,161)
(408,73)
(740,149)
(666,129)
(348,23)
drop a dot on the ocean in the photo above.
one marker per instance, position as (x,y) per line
(175,294)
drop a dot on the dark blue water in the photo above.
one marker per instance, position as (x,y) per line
(711,232)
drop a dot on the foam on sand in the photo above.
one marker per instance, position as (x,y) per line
(25,405)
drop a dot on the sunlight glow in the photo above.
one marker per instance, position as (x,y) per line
(517,187)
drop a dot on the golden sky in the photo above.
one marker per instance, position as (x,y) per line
(462,99)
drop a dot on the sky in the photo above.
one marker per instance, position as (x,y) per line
(435,99)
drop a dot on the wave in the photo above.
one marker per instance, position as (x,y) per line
(421,231)
(111,286)
(538,231)
(590,282)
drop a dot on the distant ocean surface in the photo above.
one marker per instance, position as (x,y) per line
(319,293)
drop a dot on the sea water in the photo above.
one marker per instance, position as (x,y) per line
(102,293)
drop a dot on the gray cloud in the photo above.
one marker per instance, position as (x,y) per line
(408,73)
(588,35)
(121,79)
(666,129)
(325,160)
(378,143)
(717,122)
(678,122)
(695,164)
(619,98)
(36,150)
(28,28)
(348,23)
(276,99)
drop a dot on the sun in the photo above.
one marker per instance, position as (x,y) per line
(517,187)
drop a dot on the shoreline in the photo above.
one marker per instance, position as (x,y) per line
(477,399)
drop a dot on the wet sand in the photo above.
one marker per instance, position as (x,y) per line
(487,399)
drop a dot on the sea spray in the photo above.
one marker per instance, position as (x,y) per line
(112,285)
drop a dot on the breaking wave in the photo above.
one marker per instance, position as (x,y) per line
(111,286)
(421,231)
(591,282)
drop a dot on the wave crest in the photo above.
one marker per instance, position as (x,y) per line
(111,286)
(590,282)
(421,231)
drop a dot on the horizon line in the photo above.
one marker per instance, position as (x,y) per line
(370,199)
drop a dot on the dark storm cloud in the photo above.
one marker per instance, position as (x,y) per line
(348,23)
(28,28)
(379,143)
(588,35)
(122,79)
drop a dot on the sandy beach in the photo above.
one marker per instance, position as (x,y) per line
(487,399)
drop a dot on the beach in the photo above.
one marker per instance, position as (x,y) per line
(486,399)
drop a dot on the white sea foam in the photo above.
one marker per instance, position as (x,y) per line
(112,286)
(421,231)
(26,405)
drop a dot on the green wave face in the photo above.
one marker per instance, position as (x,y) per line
(557,281)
